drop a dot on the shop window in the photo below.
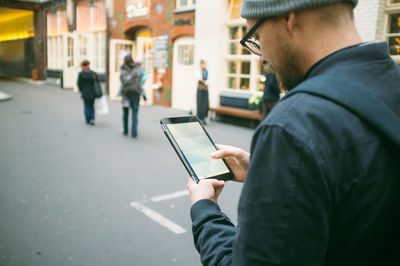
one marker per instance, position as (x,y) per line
(16,24)
(91,23)
(393,36)
(243,69)
(185,4)
(393,28)
(185,54)
(91,17)
(234,9)
(56,27)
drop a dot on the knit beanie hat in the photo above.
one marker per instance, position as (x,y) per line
(271,8)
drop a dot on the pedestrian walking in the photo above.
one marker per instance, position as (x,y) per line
(202,92)
(89,86)
(131,90)
(271,93)
(322,184)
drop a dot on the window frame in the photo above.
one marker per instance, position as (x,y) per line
(391,9)
(191,5)
(254,77)
(186,55)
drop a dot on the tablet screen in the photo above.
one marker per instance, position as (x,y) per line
(197,148)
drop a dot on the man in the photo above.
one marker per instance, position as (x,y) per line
(86,83)
(322,184)
(271,93)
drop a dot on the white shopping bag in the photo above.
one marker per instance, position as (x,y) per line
(102,106)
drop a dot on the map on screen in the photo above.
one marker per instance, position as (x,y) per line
(197,148)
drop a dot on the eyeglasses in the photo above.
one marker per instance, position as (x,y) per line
(251,43)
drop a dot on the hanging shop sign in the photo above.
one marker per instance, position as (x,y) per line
(161,52)
(137,8)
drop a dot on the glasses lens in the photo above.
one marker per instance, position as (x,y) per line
(253,46)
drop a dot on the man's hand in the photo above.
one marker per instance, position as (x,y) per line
(205,189)
(237,159)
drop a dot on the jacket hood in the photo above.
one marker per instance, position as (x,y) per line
(365,80)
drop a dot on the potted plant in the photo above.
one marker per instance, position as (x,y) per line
(255,101)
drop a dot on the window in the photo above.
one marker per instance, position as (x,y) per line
(242,69)
(393,27)
(185,54)
(91,25)
(56,27)
(185,4)
(234,9)
(91,17)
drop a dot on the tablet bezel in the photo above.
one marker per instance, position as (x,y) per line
(187,119)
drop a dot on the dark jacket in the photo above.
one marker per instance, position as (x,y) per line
(330,195)
(86,79)
(271,88)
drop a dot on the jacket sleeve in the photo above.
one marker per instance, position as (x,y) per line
(284,209)
(213,233)
(79,83)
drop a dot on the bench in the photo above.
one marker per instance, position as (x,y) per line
(234,111)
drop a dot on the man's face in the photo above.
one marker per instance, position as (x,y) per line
(280,55)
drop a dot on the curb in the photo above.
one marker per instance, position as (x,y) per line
(5,96)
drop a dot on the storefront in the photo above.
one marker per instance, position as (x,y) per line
(219,29)
(159,34)
(20,41)
(232,68)
(67,49)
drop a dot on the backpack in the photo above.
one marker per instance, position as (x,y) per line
(131,83)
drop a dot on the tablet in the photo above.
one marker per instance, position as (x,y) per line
(194,147)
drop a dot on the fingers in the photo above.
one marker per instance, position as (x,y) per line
(226,152)
(190,183)
(205,182)
(205,189)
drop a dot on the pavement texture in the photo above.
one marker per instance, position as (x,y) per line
(67,189)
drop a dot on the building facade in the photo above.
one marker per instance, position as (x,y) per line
(219,28)
(160,35)
(76,30)
(22,40)
(169,38)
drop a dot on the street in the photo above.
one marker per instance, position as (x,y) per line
(73,194)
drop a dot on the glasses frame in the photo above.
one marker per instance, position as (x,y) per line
(247,39)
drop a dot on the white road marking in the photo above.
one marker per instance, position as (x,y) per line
(174,195)
(155,216)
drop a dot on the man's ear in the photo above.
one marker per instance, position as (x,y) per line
(290,22)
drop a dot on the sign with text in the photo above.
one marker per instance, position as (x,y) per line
(137,8)
(161,52)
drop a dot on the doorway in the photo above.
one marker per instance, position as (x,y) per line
(183,74)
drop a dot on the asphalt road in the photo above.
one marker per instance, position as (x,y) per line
(72,194)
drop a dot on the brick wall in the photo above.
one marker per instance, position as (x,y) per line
(161,20)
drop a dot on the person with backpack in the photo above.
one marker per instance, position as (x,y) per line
(131,89)
(89,86)
(321,186)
